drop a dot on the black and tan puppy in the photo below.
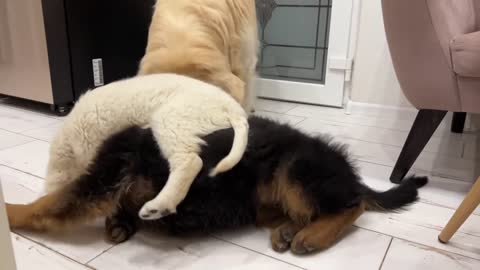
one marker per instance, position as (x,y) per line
(304,185)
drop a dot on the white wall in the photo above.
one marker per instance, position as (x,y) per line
(374,79)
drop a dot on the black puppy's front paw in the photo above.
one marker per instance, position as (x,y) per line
(118,230)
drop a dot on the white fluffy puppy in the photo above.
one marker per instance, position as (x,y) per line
(179,110)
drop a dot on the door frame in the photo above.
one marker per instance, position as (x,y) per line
(332,92)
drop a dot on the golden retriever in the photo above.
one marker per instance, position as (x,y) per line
(214,41)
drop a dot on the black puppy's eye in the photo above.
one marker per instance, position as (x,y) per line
(352,204)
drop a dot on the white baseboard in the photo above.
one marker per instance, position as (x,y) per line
(353,107)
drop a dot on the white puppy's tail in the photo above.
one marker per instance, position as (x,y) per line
(240,141)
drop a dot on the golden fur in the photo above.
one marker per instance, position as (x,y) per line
(211,40)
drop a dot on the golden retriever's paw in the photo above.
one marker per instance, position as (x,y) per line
(156,209)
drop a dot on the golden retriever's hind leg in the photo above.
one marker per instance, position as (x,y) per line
(325,230)
(233,85)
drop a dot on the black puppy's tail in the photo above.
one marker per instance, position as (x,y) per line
(396,197)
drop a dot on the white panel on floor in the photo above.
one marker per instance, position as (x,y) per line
(404,255)
(44,133)
(32,256)
(421,223)
(274,106)
(359,249)
(18,120)
(148,250)
(282,118)
(31,157)
(9,139)
(82,244)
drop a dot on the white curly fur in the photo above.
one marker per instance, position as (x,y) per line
(179,110)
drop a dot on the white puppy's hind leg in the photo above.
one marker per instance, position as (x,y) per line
(63,167)
(184,168)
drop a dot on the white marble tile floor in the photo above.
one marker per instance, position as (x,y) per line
(405,240)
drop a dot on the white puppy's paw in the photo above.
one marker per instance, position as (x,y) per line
(156,210)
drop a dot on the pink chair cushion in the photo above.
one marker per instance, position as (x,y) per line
(465,51)
(477,13)
(451,18)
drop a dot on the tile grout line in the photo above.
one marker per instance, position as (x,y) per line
(413,170)
(421,244)
(21,134)
(282,117)
(389,145)
(44,126)
(19,170)
(52,250)
(386,252)
(20,144)
(24,186)
(447,207)
(429,175)
(303,120)
(396,146)
(438,249)
(291,109)
(258,252)
(273,112)
(100,254)
(326,121)
(350,125)
(416,169)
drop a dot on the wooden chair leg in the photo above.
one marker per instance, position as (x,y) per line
(458,122)
(471,201)
(423,128)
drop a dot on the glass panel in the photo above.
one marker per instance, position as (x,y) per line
(293,39)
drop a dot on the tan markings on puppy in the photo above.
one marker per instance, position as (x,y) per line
(138,192)
(122,223)
(269,216)
(289,196)
(325,230)
(282,236)
(41,216)
(57,211)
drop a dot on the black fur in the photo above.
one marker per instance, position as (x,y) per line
(130,164)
